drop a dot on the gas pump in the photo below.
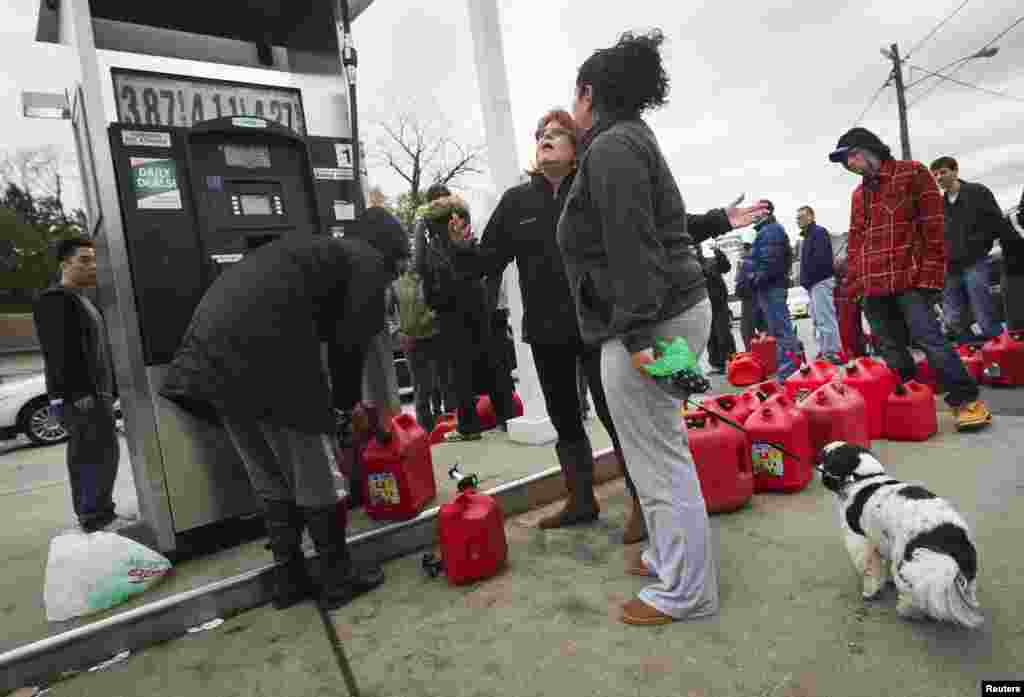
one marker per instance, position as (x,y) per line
(195,200)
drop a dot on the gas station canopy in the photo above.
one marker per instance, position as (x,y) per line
(289,35)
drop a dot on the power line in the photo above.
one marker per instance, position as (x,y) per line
(947,78)
(874,98)
(963,63)
(936,29)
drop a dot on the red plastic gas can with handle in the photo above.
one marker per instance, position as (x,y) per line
(924,372)
(836,412)
(910,413)
(875,381)
(722,456)
(736,407)
(471,532)
(972,360)
(763,346)
(399,475)
(488,416)
(809,377)
(779,422)
(1003,359)
(766,389)
(745,369)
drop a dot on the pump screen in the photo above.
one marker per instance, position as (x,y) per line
(255,204)
(247,156)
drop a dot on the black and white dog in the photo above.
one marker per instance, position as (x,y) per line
(904,533)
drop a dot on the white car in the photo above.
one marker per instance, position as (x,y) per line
(25,408)
(799,302)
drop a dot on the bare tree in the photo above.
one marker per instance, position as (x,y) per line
(415,143)
(37,172)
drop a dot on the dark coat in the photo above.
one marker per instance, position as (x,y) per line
(972,225)
(771,257)
(69,340)
(252,348)
(816,263)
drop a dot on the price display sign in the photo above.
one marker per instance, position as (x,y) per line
(156,99)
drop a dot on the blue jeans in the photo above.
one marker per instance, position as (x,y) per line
(772,302)
(823,314)
(971,287)
(910,316)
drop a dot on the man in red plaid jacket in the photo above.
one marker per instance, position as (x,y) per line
(896,261)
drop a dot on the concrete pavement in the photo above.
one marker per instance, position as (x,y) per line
(792,622)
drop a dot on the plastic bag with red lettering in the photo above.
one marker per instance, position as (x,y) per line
(91,572)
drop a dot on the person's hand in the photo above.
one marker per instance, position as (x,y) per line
(742,217)
(385,417)
(57,411)
(642,358)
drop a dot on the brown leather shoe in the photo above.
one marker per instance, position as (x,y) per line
(636,528)
(637,612)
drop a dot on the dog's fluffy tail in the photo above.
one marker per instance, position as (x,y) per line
(941,590)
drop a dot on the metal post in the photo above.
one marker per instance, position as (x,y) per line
(535,425)
(350,63)
(901,100)
(117,294)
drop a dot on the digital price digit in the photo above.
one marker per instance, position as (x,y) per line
(132,106)
(152,103)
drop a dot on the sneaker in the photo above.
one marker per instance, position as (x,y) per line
(459,437)
(109,524)
(971,416)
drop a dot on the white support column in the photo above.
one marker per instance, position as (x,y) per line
(535,426)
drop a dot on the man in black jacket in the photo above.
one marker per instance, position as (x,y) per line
(80,382)
(251,358)
(973,222)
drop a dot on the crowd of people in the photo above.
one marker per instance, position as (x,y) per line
(609,264)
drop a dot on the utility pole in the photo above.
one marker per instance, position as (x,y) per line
(893,54)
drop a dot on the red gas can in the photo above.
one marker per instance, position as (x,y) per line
(779,422)
(471,531)
(763,346)
(745,369)
(874,380)
(733,406)
(809,377)
(722,456)
(836,412)
(399,475)
(910,413)
(485,410)
(446,423)
(924,372)
(1003,359)
(973,362)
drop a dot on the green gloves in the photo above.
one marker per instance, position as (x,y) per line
(672,358)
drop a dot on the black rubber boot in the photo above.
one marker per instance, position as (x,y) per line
(577,463)
(340,581)
(284,528)
(636,529)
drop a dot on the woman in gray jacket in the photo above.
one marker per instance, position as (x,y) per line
(629,257)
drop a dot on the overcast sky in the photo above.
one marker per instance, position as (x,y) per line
(760,91)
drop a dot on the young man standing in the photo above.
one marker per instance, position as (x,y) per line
(818,277)
(973,222)
(80,381)
(896,261)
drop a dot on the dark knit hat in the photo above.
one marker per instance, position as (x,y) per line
(859,138)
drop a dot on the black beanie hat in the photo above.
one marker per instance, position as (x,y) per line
(859,138)
(383,231)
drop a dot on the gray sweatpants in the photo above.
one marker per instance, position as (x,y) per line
(287,465)
(654,441)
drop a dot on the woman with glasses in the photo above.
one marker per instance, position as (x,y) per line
(522,227)
(627,244)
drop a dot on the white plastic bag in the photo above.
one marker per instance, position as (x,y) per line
(90,572)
